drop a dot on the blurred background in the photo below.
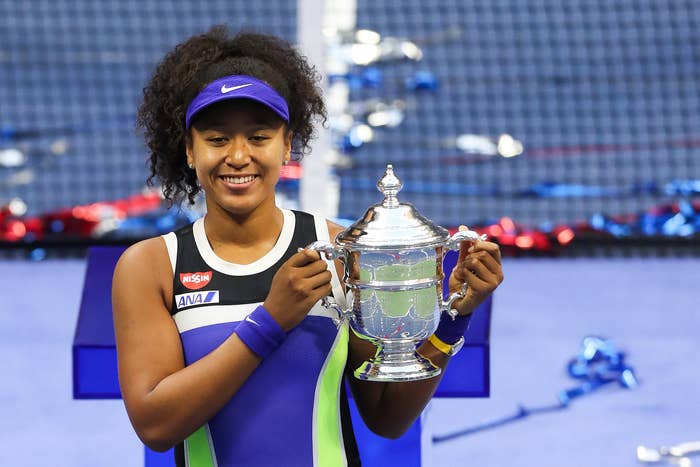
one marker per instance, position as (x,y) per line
(569,131)
(526,116)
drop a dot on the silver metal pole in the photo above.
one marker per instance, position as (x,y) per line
(316,21)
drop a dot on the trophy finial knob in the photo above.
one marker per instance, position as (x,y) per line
(389,185)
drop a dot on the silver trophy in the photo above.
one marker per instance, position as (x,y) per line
(393,283)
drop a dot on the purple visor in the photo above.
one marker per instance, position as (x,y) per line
(237,87)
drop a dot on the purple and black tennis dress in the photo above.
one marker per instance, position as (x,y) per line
(293,410)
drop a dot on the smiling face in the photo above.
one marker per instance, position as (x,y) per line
(237,148)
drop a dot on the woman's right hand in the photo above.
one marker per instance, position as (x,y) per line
(302,280)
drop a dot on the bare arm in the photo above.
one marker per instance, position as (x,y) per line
(389,409)
(166,400)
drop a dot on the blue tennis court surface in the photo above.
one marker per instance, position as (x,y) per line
(541,312)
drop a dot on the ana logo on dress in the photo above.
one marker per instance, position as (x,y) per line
(195,280)
(196,298)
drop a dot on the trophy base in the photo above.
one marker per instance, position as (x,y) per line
(396,368)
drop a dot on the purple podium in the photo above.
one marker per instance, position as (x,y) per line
(95,365)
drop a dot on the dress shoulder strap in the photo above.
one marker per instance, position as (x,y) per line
(322,234)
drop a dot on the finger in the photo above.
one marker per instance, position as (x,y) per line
(489,247)
(460,274)
(477,284)
(313,268)
(464,246)
(479,269)
(319,279)
(479,277)
(317,293)
(487,260)
(303,258)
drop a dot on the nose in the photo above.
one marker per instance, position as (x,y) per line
(238,152)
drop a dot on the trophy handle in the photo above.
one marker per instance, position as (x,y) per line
(343,315)
(447,304)
(332,252)
(454,243)
(328,250)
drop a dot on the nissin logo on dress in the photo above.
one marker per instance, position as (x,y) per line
(195,280)
(196,298)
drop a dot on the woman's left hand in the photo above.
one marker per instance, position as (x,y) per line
(479,266)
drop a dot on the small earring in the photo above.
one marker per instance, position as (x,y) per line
(191,166)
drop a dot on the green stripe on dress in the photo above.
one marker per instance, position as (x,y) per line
(198,450)
(328,436)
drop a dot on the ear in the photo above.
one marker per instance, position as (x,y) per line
(288,146)
(188,150)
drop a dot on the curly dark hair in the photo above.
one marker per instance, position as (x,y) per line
(198,61)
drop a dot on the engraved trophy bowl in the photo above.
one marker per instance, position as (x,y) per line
(393,283)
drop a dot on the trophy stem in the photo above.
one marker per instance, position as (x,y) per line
(397,361)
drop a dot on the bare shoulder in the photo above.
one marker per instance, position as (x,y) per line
(145,264)
(147,257)
(146,252)
(334,229)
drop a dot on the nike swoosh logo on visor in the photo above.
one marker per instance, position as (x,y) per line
(224,89)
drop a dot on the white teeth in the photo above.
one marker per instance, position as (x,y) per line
(238,180)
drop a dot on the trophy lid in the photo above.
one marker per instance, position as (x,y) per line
(391,224)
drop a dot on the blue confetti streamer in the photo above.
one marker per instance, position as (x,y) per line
(598,363)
